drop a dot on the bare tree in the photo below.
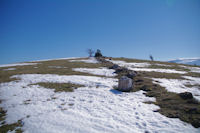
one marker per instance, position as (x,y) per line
(90,52)
(151,57)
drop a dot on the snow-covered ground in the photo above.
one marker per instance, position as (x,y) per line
(90,60)
(68,58)
(18,64)
(178,85)
(132,64)
(94,108)
(144,67)
(9,69)
(157,70)
(88,109)
(97,71)
(192,69)
(189,61)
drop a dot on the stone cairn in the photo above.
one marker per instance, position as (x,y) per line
(126,81)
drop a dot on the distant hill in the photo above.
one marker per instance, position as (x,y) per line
(189,61)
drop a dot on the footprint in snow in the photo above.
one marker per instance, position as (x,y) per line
(138,125)
(111,102)
(137,117)
(62,100)
(71,99)
(82,100)
(144,124)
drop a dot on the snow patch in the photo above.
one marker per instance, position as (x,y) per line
(125,64)
(192,69)
(68,58)
(138,67)
(90,60)
(18,64)
(87,109)
(178,85)
(157,70)
(97,71)
(9,69)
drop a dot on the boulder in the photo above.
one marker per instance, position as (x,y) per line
(186,95)
(121,69)
(114,66)
(131,74)
(125,84)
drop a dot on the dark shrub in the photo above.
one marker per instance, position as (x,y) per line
(186,95)
(98,53)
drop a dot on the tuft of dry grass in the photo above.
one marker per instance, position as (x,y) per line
(59,87)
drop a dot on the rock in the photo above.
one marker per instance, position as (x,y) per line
(196,123)
(125,84)
(121,69)
(186,95)
(131,74)
(139,80)
(118,70)
(114,66)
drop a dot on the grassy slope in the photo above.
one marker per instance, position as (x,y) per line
(43,68)
(171,105)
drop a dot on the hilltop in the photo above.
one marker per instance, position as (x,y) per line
(80,95)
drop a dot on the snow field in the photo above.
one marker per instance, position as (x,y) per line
(97,71)
(88,109)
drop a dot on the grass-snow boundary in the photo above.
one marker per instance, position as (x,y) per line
(42,67)
(171,104)
(85,109)
(59,87)
(45,67)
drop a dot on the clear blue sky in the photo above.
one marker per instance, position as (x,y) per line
(42,29)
